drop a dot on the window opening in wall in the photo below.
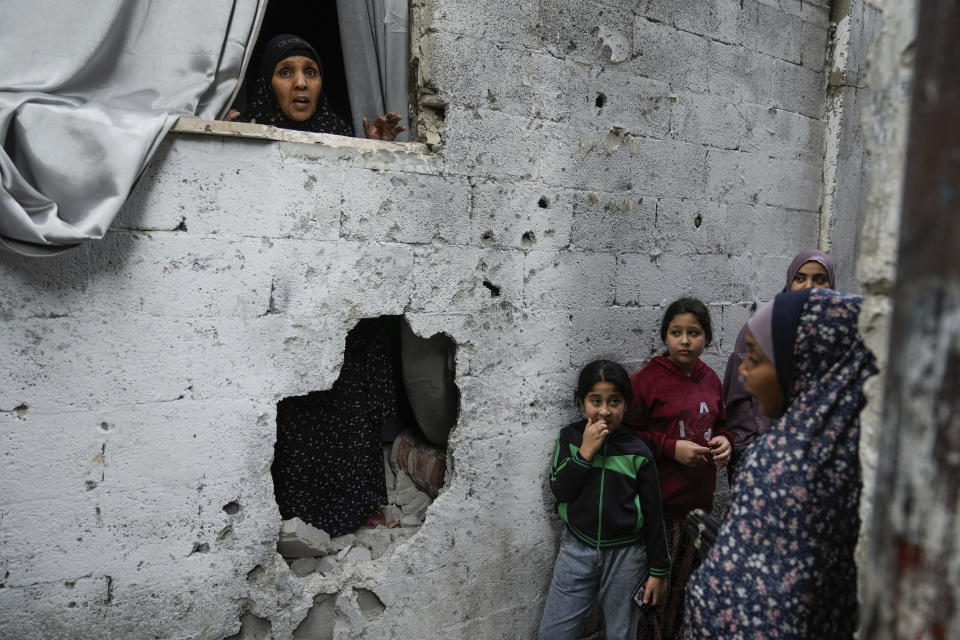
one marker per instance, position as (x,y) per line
(342,62)
(356,466)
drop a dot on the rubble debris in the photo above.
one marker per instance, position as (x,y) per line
(301,540)
(319,621)
(302,567)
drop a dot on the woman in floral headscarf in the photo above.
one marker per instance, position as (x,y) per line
(782,565)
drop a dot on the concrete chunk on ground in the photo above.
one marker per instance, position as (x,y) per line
(377,540)
(301,540)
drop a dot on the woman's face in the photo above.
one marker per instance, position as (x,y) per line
(760,380)
(685,341)
(810,275)
(297,82)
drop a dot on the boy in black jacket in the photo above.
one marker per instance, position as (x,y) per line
(608,495)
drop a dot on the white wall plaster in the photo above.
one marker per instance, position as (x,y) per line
(140,396)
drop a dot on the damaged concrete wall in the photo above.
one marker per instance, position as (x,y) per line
(884,120)
(589,163)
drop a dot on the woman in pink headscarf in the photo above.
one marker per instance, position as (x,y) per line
(810,269)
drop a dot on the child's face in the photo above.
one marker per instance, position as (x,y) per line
(604,402)
(760,380)
(685,341)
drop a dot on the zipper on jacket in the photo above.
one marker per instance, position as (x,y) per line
(603,471)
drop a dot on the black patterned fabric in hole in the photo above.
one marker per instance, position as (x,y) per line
(328,461)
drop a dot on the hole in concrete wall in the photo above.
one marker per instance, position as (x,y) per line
(698,221)
(200,547)
(601,100)
(494,289)
(356,466)
(487,237)
(231,508)
(543,202)
(528,239)
(370,605)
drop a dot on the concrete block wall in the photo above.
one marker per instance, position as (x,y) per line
(594,161)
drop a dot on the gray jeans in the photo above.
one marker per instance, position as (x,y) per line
(583,575)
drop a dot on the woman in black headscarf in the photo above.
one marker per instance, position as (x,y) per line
(288,93)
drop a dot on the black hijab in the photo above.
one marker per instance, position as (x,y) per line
(263,105)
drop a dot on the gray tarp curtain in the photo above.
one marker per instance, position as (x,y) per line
(375,41)
(87,92)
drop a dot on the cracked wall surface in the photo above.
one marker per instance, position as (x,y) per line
(588,162)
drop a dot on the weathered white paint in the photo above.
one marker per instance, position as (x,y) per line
(140,393)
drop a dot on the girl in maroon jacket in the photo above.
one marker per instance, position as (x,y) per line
(678,411)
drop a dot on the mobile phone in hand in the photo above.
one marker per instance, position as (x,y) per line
(645,607)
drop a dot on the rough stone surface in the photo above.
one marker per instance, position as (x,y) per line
(300,540)
(597,160)
(885,117)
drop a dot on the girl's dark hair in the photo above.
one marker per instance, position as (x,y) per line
(687,305)
(604,371)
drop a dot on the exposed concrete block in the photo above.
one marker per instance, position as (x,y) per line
(706,120)
(777,33)
(522,215)
(155,359)
(466,278)
(515,23)
(662,53)
(723,20)
(612,221)
(98,276)
(377,540)
(558,89)
(568,280)
(482,141)
(613,334)
(781,134)
(327,564)
(593,32)
(814,41)
(407,208)
(798,89)
(648,282)
(253,627)
(304,566)
(301,540)
(352,555)
(314,277)
(754,179)
(667,167)
(742,75)
(500,80)
(345,541)
(575,157)
(620,98)
(320,620)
